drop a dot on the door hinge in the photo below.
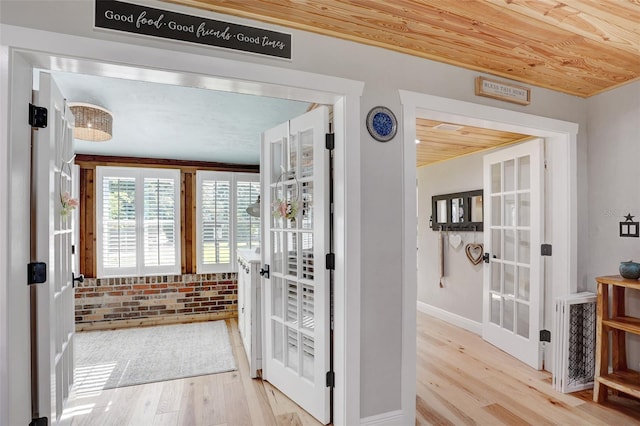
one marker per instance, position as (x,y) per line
(37,116)
(331,379)
(545,336)
(41,421)
(329,141)
(264,271)
(36,273)
(330,261)
(545,250)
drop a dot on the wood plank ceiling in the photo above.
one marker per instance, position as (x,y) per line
(578,47)
(442,141)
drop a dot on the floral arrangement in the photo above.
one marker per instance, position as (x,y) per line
(68,203)
(286,209)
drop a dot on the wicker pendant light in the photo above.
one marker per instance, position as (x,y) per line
(93,123)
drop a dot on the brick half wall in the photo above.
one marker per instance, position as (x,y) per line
(136,301)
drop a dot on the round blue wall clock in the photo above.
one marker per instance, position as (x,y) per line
(382,124)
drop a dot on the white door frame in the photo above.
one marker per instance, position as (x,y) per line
(562,152)
(47,50)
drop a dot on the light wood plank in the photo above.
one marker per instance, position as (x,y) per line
(461,380)
(465,371)
(580,47)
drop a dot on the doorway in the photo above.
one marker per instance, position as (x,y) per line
(562,171)
(195,70)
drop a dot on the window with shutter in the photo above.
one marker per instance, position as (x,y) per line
(247,227)
(138,213)
(223,225)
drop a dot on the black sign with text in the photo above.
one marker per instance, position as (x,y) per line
(134,18)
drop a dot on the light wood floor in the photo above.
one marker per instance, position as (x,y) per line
(231,398)
(461,380)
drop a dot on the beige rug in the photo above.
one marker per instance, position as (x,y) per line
(125,357)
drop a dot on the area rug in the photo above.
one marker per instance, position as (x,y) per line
(134,356)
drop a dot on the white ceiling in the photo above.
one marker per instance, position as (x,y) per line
(176,122)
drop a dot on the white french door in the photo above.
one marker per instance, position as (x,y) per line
(514,228)
(52,165)
(295,212)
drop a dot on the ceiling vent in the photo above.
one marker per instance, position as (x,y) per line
(448,127)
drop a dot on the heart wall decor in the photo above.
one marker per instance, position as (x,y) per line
(474,253)
(455,240)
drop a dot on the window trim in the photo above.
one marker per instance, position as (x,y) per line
(139,174)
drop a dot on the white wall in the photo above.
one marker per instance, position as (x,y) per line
(614,178)
(461,293)
(614,190)
(384,72)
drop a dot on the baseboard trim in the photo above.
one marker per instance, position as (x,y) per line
(457,320)
(390,418)
(145,322)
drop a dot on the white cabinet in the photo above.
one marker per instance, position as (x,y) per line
(250,308)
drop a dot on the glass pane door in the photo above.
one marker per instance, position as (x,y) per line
(296,215)
(513,228)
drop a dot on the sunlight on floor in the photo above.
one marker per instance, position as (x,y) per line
(89,382)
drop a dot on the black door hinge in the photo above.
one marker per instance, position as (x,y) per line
(41,421)
(330,261)
(545,250)
(329,141)
(545,336)
(331,379)
(37,116)
(36,273)
(264,271)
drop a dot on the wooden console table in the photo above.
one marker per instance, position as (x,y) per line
(620,379)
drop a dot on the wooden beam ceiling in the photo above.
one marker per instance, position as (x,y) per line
(579,47)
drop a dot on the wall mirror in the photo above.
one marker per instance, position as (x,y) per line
(441,211)
(460,211)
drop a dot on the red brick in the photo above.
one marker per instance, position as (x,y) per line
(157,307)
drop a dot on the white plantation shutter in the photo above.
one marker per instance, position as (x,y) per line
(138,228)
(119,223)
(159,222)
(223,224)
(247,227)
(214,221)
